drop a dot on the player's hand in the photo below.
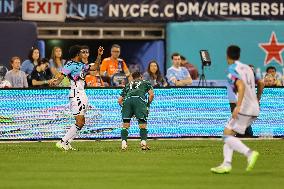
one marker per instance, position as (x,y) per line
(100,51)
(52,82)
(236,112)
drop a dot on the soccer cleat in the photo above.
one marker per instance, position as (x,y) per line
(144,146)
(221,169)
(123,145)
(251,160)
(61,145)
(70,147)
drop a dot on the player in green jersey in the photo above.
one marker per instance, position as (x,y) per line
(135,103)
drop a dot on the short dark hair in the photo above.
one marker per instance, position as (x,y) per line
(270,68)
(30,55)
(85,47)
(74,51)
(116,46)
(136,75)
(175,54)
(234,52)
(43,61)
(182,57)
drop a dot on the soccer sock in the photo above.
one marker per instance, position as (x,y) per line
(124,134)
(228,155)
(237,145)
(143,134)
(75,135)
(71,133)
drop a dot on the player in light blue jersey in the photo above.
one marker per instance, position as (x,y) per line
(242,81)
(76,71)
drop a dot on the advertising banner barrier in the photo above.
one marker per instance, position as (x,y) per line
(37,114)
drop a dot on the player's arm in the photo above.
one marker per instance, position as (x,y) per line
(150,97)
(96,65)
(241,92)
(260,86)
(120,100)
(121,97)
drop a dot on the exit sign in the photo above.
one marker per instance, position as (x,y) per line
(44,10)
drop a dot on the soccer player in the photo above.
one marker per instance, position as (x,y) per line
(76,71)
(134,102)
(242,80)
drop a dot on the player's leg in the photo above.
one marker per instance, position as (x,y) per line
(141,113)
(233,143)
(124,133)
(143,134)
(226,166)
(127,113)
(78,107)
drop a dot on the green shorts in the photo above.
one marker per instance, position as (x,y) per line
(134,106)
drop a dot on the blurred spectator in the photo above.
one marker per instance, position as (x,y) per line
(154,75)
(4,83)
(272,70)
(29,65)
(270,81)
(41,75)
(134,67)
(56,59)
(16,77)
(114,69)
(177,75)
(94,79)
(190,68)
(56,63)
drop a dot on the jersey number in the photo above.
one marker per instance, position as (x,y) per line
(134,85)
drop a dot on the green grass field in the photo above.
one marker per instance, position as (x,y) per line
(170,164)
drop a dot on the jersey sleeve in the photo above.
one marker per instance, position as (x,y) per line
(67,69)
(148,86)
(233,75)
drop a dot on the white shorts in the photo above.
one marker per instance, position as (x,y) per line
(240,124)
(79,105)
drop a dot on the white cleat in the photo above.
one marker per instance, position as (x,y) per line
(123,145)
(71,148)
(144,146)
(62,146)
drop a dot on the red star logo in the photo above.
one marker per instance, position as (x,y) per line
(273,50)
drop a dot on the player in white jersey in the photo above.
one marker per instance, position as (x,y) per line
(76,71)
(242,80)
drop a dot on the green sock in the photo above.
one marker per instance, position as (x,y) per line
(143,134)
(124,134)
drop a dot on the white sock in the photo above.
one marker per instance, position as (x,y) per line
(71,133)
(228,155)
(237,145)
